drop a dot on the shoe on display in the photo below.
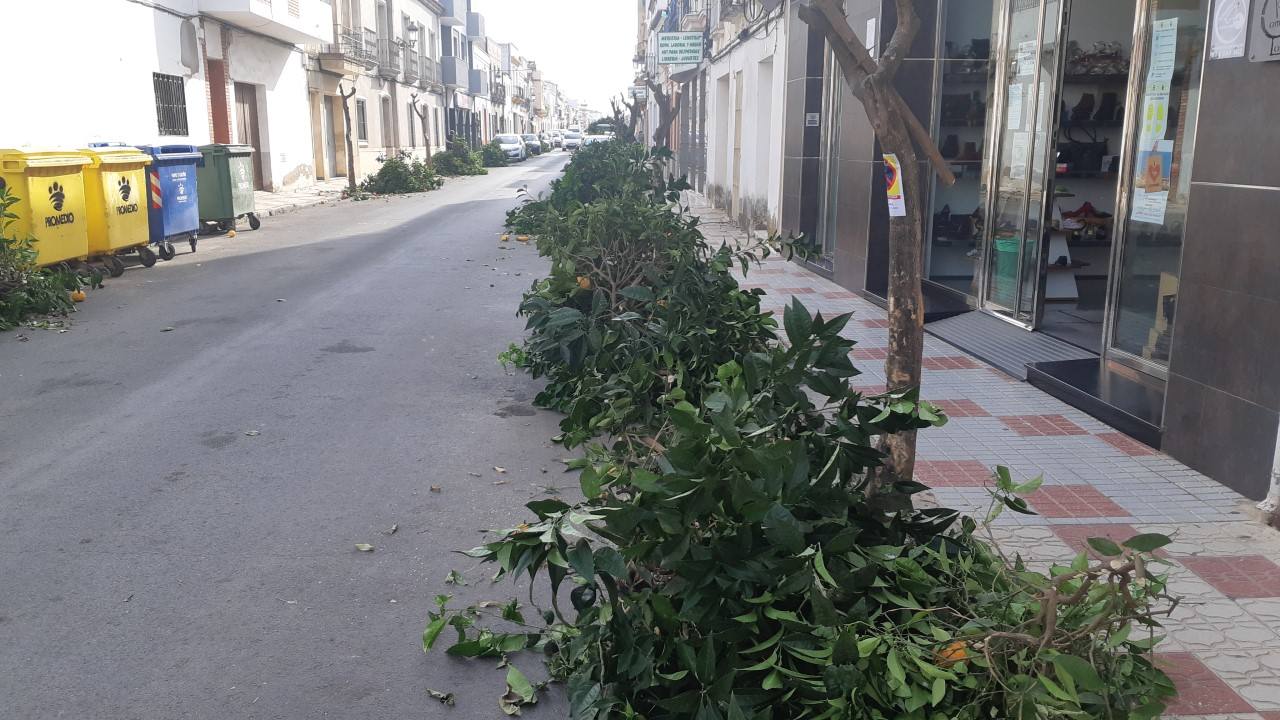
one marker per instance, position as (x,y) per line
(1083,109)
(970,154)
(1106,113)
(951,147)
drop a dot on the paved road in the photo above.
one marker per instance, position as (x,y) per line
(179,509)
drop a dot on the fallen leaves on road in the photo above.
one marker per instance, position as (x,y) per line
(519,692)
(394,528)
(435,488)
(443,697)
(501,482)
(252,433)
(166,329)
(364,547)
(455,578)
(499,469)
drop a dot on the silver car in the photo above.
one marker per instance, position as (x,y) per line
(513,147)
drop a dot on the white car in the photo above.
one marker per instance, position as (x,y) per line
(513,147)
(572,140)
(595,139)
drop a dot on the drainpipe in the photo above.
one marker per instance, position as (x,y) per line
(1271,506)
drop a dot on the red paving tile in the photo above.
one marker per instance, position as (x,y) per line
(1200,692)
(1040,425)
(1272,715)
(1076,536)
(961,408)
(869,353)
(875,323)
(948,362)
(840,295)
(869,389)
(1073,501)
(953,473)
(1244,576)
(1126,444)
(794,290)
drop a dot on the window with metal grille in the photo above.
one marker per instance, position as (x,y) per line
(171,104)
(362,122)
(295,9)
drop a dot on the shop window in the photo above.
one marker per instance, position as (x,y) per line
(171,104)
(362,122)
(955,230)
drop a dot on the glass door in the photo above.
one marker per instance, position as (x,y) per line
(1157,176)
(1022,127)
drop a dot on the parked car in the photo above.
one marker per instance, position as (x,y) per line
(513,147)
(589,139)
(572,140)
(532,143)
(545,139)
(557,139)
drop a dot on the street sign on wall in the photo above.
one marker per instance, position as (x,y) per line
(679,48)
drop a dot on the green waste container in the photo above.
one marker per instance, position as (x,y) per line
(225,179)
(1004,282)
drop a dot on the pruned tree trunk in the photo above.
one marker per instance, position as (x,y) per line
(422,114)
(667,112)
(351,147)
(899,133)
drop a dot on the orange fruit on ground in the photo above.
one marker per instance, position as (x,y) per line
(231,233)
(957,651)
(584,282)
(522,238)
(78,296)
(505,237)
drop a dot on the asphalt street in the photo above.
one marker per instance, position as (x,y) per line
(185,473)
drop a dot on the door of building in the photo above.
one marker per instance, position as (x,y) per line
(329,135)
(247,128)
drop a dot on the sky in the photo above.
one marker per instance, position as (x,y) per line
(585,46)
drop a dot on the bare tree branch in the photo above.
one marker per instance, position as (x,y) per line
(895,51)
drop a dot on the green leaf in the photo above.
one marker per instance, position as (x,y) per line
(610,562)
(772,681)
(519,692)
(581,559)
(1105,547)
(867,646)
(797,321)
(895,667)
(1004,479)
(1029,486)
(1084,674)
(782,529)
(434,628)
(590,482)
(547,507)
(639,293)
(939,691)
(1148,542)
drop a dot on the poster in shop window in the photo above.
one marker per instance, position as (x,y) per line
(893,186)
(1153,169)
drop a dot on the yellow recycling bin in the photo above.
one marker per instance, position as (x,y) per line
(50,191)
(116,203)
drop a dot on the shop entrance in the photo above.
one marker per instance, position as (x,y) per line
(1056,177)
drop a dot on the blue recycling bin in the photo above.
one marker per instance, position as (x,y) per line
(172,200)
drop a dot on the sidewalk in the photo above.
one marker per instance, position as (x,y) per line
(1223,649)
(276,203)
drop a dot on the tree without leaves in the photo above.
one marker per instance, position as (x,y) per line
(422,114)
(667,111)
(899,133)
(351,147)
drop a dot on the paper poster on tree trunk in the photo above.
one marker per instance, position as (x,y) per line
(893,186)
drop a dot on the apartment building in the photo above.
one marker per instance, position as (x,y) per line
(170,71)
(388,51)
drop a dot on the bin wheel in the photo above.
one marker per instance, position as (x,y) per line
(115,266)
(225,225)
(167,252)
(147,256)
(254,222)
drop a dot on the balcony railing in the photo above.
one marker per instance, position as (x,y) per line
(388,58)
(498,93)
(350,42)
(411,65)
(428,73)
(370,49)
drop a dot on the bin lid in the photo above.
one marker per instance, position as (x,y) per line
(171,152)
(20,159)
(221,149)
(116,155)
